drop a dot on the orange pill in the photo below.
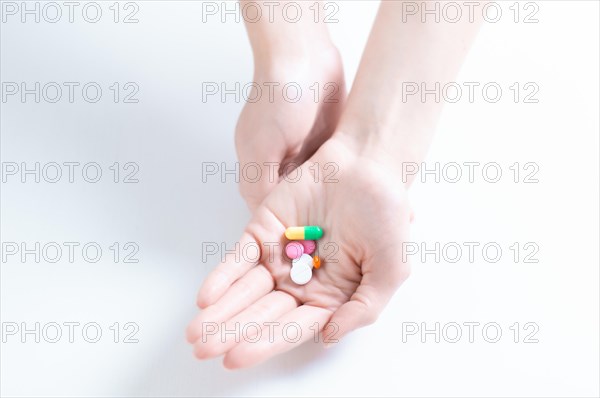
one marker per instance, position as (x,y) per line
(316,262)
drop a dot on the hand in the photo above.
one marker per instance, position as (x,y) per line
(274,130)
(365,214)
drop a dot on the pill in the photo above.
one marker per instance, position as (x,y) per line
(309,246)
(310,232)
(294,250)
(316,262)
(303,259)
(301,273)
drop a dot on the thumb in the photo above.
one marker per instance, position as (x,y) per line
(383,273)
(367,303)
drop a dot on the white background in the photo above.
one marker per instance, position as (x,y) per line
(170,212)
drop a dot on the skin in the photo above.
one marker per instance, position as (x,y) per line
(274,130)
(351,287)
(365,212)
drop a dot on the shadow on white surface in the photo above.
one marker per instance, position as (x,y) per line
(174,371)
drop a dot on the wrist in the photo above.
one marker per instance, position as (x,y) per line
(397,148)
(279,40)
(272,60)
(350,159)
(389,131)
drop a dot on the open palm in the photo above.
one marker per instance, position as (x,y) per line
(365,216)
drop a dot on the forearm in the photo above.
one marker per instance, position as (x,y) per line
(379,117)
(276,38)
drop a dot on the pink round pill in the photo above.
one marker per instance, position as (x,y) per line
(309,246)
(294,250)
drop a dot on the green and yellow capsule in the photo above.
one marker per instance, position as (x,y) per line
(310,232)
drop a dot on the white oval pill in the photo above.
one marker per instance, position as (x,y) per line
(301,273)
(303,259)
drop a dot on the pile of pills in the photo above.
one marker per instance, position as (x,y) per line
(303,244)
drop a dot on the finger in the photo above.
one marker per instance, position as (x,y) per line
(382,275)
(293,329)
(363,309)
(245,291)
(245,326)
(233,267)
